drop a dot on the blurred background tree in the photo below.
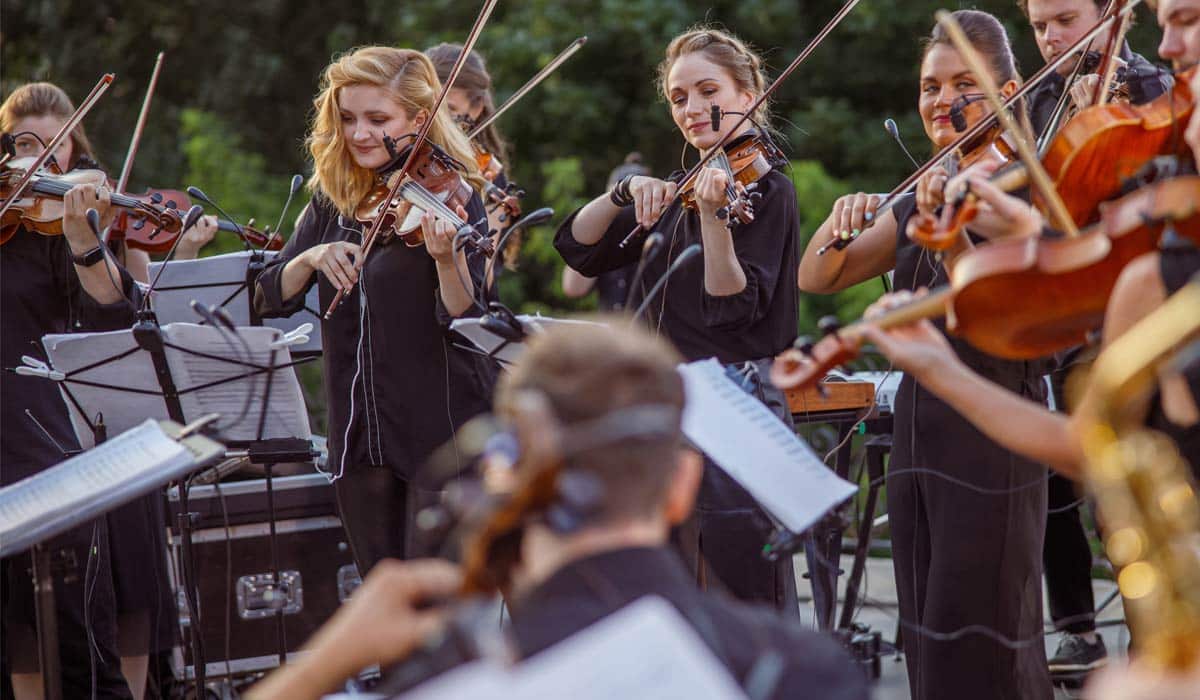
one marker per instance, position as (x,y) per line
(237,86)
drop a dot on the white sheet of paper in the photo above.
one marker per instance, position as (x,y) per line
(754,447)
(219,280)
(646,650)
(487,341)
(70,485)
(123,410)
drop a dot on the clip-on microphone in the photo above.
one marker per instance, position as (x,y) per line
(957,118)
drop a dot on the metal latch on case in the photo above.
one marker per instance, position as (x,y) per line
(259,597)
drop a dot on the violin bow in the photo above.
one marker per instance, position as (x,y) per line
(533,82)
(719,147)
(368,239)
(136,139)
(1108,65)
(987,122)
(69,126)
(1041,180)
(1060,107)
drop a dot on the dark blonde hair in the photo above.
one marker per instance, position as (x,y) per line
(477,82)
(42,100)
(588,372)
(725,50)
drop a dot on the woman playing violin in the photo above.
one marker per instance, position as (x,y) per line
(739,303)
(58,284)
(961,557)
(471,101)
(396,387)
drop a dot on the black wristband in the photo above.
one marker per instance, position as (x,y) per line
(620,195)
(89,258)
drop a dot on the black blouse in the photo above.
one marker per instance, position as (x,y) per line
(1178,264)
(397,387)
(42,295)
(758,322)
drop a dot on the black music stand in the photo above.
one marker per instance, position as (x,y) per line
(168,397)
(36,509)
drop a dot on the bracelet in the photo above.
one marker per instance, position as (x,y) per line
(620,195)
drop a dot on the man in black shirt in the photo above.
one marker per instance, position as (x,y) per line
(1067,557)
(613,402)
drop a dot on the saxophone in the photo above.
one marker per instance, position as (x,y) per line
(1143,488)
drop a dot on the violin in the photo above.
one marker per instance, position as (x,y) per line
(1066,281)
(130,226)
(507,199)
(745,162)
(435,184)
(39,207)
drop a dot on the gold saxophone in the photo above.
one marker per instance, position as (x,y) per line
(1144,492)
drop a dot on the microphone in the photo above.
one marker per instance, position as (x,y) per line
(297,182)
(204,312)
(687,254)
(650,248)
(715,115)
(199,194)
(957,118)
(189,220)
(501,321)
(93,219)
(890,125)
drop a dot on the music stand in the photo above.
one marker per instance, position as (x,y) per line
(227,281)
(181,371)
(85,487)
(506,346)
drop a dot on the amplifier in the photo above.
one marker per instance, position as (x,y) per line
(237,594)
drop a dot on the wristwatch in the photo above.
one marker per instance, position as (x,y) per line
(89,258)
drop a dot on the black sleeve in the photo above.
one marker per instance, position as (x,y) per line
(1146,81)
(91,315)
(760,247)
(476,265)
(605,254)
(268,289)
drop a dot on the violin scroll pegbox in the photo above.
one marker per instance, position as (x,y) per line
(804,364)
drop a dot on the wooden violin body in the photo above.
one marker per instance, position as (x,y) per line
(748,161)
(434,174)
(40,207)
(1027,298)
(130,226)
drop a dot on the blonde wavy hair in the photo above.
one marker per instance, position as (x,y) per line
(45,100)
(410,79)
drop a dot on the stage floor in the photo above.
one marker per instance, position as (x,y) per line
(880,614)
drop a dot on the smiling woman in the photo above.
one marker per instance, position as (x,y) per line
(396,388)
(739,305)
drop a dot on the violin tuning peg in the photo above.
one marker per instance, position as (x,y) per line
(723,213)
(804,344)
(138,224)
(755,196)
(170,204)
(250,223)
(829,325)
(156,197)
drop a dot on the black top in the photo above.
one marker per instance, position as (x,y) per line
(612,288)
(588,590)
(396,385)
(758,322)
(1177,265)
(1145,82)
(928,432)
(42,295)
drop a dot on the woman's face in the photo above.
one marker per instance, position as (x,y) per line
(368,114)
(33,133)
(461,106)
(944,78)
(694,85)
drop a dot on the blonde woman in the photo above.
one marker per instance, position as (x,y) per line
(396,387)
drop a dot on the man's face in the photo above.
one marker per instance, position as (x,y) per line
(1180,22)
(1057,24)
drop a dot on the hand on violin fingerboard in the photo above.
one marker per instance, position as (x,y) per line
(196,238)
(439,235)
(710,191)
(76,202)
(931,190)
(651,197)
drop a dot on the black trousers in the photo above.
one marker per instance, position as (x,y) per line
(377,508)
(1067,560)
(84,604)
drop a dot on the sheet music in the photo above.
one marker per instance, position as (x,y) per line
(125,462)
(489,342)
(757,449)
(219,280)
(646,650)
(123,409)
